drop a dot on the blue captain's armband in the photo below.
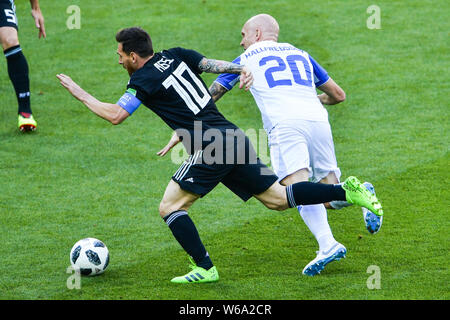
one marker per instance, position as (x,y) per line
(129,102)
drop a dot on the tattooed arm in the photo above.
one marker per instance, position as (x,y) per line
(217,91)
(219,66)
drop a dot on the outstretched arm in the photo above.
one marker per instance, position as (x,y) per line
(333,94)
(108,111)
(38,17)
(219,66)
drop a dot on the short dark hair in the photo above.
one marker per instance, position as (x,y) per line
(136,40)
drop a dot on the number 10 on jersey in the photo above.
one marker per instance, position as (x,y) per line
(176,79)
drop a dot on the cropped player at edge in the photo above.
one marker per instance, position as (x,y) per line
(169,83)
(16,61)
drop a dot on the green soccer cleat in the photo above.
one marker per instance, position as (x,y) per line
(26,124)
(198,275)
(357,193)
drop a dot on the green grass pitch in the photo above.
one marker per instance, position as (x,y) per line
(78,176)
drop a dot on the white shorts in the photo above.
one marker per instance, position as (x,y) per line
(300,144)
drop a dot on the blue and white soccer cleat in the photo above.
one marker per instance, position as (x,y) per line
(372,221)
(323,258)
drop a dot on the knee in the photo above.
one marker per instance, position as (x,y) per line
(164,209)
(330,178)
(277,204)
(9,41)
(274,198)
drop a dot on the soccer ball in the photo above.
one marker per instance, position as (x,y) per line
(90,256)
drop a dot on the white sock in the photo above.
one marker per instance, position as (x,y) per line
(315,217)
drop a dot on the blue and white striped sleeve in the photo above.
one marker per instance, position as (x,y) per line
(320,74)
(228,80)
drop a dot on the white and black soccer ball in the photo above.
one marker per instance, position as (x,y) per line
(90,256)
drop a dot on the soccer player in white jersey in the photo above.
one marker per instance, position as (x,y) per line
(300,138)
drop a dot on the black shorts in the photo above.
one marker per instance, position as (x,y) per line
(8,14)
(237,167)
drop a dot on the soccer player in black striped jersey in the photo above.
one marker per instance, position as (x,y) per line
(16,61)
(169,83)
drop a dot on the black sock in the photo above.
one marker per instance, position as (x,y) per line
(304,193)
(18,73)
(187,236)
